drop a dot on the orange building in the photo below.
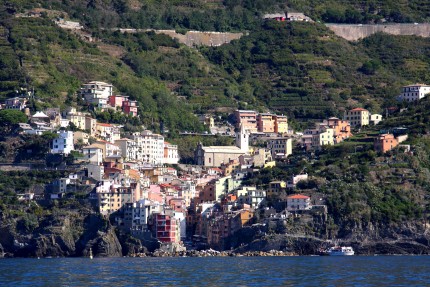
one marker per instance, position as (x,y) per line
(385,142)
(248,119)
(342,129)
(266,123)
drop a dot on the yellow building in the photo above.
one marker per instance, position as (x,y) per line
(281,124)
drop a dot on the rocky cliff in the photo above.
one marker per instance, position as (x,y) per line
(402,238)
(57,232)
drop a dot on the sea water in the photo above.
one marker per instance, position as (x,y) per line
(218,271)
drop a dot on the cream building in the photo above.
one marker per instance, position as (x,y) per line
(214,156)
(357,117)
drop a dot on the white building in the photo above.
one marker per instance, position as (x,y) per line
(93,154)
(128,148)
(295,179)
(375,119)
(97,93)
(171,155)
(298,202)
(414,93)
(150,147)
(63,143)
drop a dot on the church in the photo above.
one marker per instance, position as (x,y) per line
(214,156)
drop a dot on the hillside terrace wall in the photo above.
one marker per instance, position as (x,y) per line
(194,38)
(354,32)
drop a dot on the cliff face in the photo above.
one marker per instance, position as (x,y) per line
(402,238)
(61,233)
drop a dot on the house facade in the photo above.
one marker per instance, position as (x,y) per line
(357,117)
(280,147)
(171,155)
(385,142)
(247,119)
(97,93)
(413,93)
(266,123)
(298,202)
(281,124)
(63,144)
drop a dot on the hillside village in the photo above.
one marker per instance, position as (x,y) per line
(137,181)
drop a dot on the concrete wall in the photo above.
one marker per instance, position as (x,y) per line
(194,38)
(354,32)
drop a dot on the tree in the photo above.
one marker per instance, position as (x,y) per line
(10,118)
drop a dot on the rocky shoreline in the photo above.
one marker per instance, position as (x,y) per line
(213,253)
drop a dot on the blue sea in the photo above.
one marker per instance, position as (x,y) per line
(218,271)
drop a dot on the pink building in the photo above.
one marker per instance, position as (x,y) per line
(266,123)
(117,100)
(248,119)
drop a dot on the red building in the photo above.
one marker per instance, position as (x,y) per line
(166,228)
(130,107)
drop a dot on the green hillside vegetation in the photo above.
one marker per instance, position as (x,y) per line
(55,63)
(367,11)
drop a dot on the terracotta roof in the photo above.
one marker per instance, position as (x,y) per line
(359,110)
(298,196)
(104,125)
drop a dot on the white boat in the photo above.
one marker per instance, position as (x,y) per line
(91,254)
(340,251)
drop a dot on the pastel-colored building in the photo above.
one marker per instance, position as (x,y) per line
(207,120)
(298,202)
(385,142)
(108,132)
(341,129)
(63,144)
(83,122)
(247,119)
(281,124)
(357,117)
(117,100)
(413,93)
(266,123)
(112,197)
